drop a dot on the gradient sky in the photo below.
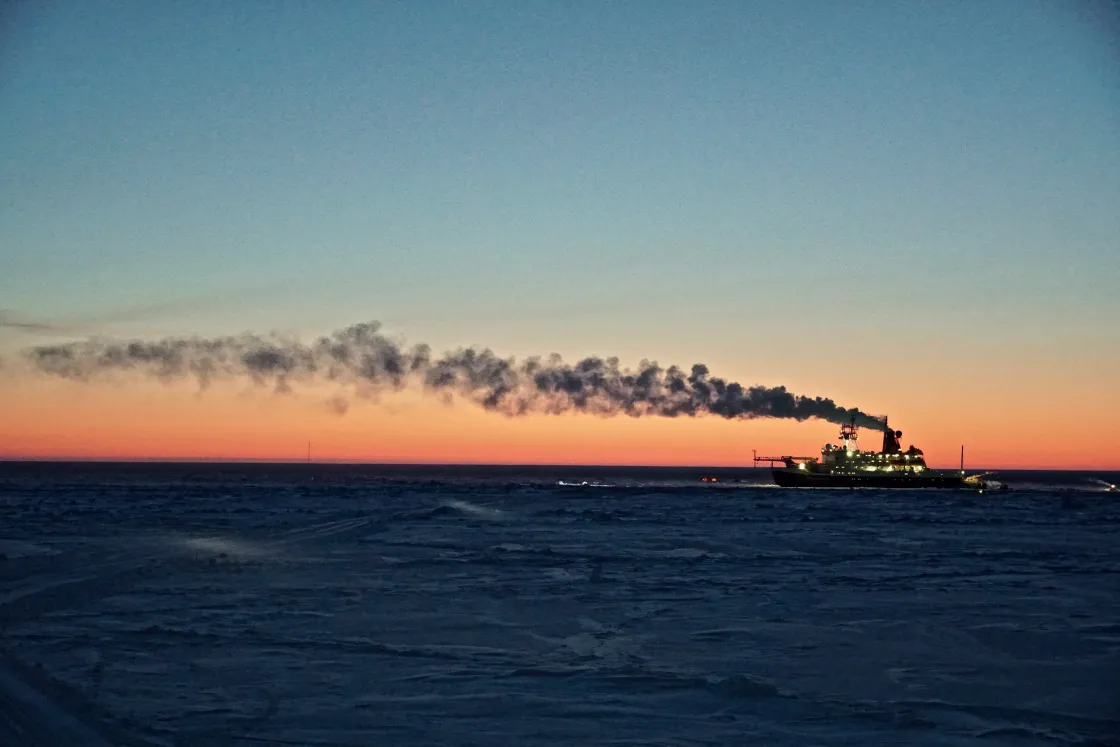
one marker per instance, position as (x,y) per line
(910,207)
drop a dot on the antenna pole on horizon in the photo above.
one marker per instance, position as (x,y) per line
(309,452)
(962,459)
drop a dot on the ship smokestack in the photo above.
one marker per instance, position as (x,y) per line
(891,444)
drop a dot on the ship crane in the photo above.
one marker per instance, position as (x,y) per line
(784,459)
(788,460)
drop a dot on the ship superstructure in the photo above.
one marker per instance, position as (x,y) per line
(846,465)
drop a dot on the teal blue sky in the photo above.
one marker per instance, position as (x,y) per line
(662,179)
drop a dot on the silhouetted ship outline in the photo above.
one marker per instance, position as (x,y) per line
(846,466)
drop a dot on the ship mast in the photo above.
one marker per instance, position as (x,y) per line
(849,437)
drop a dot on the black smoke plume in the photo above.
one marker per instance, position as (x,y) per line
(363,360)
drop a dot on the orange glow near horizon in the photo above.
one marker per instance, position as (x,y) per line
(51,419)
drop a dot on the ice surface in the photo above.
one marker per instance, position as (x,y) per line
(254,605)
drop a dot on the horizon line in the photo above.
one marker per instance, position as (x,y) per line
(346,463)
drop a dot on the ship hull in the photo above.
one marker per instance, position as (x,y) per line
(797,478)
